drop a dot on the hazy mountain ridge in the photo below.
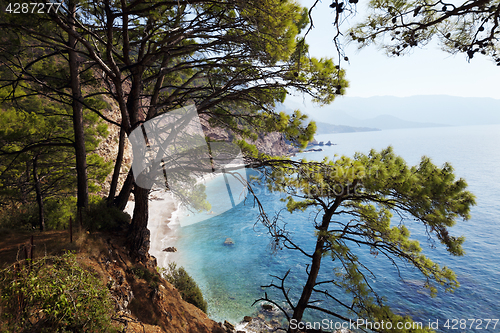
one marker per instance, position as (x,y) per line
(379,122)
(325,128)
(389,112)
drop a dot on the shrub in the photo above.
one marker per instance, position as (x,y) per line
(58,211)
(143,273)
(188,288)
(25,217)
(53,294)
(19,218)
(100,217)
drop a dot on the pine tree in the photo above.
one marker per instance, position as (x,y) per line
(233,60)
(356,199)
(468,27)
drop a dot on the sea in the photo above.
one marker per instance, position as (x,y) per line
(233,277)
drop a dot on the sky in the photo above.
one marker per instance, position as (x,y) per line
(427,71)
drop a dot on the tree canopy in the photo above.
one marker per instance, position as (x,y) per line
(235,61)
(469,27)
(366,202)
(37,154)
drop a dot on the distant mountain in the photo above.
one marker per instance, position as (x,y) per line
(379,122)
(391,122)
(324,128)
(389,112)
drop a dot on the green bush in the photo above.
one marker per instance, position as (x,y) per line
(58,211)
(188,288)
(143,273)
(53,294)
(100,217)
(19,218)
(57,214)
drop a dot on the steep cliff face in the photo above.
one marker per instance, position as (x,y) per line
(144,301)
(273,143)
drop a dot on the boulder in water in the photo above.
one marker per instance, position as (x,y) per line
(228,241)
(267,306)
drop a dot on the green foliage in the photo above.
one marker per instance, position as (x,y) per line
(188,288)
(141,272)
(22,218)
(248,149)
(57,214)
(53,294)
(37,128)
(368,190)
(58,211)
(467,27)
(100,217)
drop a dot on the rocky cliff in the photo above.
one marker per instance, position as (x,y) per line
(273,143)
(144,301)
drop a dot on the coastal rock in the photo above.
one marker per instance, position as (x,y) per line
(247,319)
(314,142)
(228,326)
(259,325)
(267,306)
(329,143)
(170,249)
(228,241)
(274,323)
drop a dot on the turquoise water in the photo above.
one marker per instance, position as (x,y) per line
(231,276)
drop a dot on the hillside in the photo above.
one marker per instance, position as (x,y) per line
(143,301)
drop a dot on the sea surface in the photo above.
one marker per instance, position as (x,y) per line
(231,277)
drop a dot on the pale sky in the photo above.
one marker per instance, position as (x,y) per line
(427,71)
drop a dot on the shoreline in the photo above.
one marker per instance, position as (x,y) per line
(164,222)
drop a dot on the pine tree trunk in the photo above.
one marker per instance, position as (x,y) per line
(139,233)
(313,273)
(81,156)
(122,198)
(116,171)
(39,197)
